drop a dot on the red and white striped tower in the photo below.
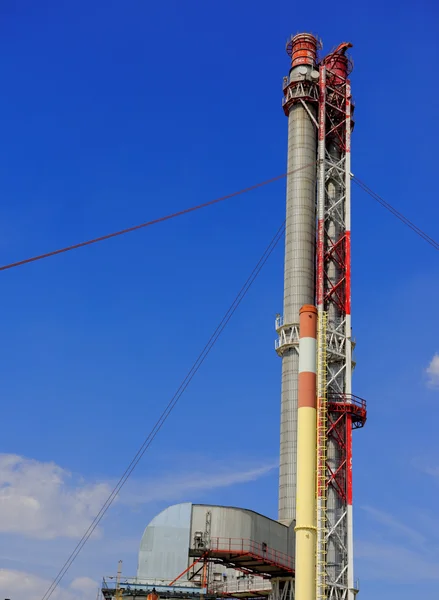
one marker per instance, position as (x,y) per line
(305,588)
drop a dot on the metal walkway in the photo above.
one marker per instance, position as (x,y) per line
(248,556)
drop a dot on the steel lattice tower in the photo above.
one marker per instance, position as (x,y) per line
(317,101)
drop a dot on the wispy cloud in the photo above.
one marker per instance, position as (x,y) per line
(396,562)
(44,501)
(395,548)
(174,487)
(426,467)
(433,471)
(395,525)
(433,372)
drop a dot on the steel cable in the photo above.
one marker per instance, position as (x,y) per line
(169,408)
(149,223)
(108,236)
(396,213)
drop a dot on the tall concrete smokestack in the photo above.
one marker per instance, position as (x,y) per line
(318,103)
(299,285)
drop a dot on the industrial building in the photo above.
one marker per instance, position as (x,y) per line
(193,550)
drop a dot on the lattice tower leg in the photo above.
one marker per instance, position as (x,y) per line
(282,588)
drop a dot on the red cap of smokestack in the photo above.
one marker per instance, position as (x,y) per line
(338,64)
(303,49)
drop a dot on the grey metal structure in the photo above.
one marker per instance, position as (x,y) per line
(337,546)
(180,534)
(243,550)
(241,538)
(164,546)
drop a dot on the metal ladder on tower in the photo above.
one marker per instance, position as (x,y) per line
(322,424)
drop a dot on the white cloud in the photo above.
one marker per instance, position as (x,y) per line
(433,372)
(19,585)
(44,501)
(40,499)
(84,585)
(43,507)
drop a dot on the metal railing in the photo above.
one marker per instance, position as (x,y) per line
(279,322)
(109,582)
(347,399)
(248,583)
(348,403)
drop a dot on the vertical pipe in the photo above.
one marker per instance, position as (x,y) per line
(349,515)
(305,529)
(321,380)
(321,190)
(348,240)
(348,347)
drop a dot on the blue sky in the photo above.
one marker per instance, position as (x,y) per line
(113,113)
